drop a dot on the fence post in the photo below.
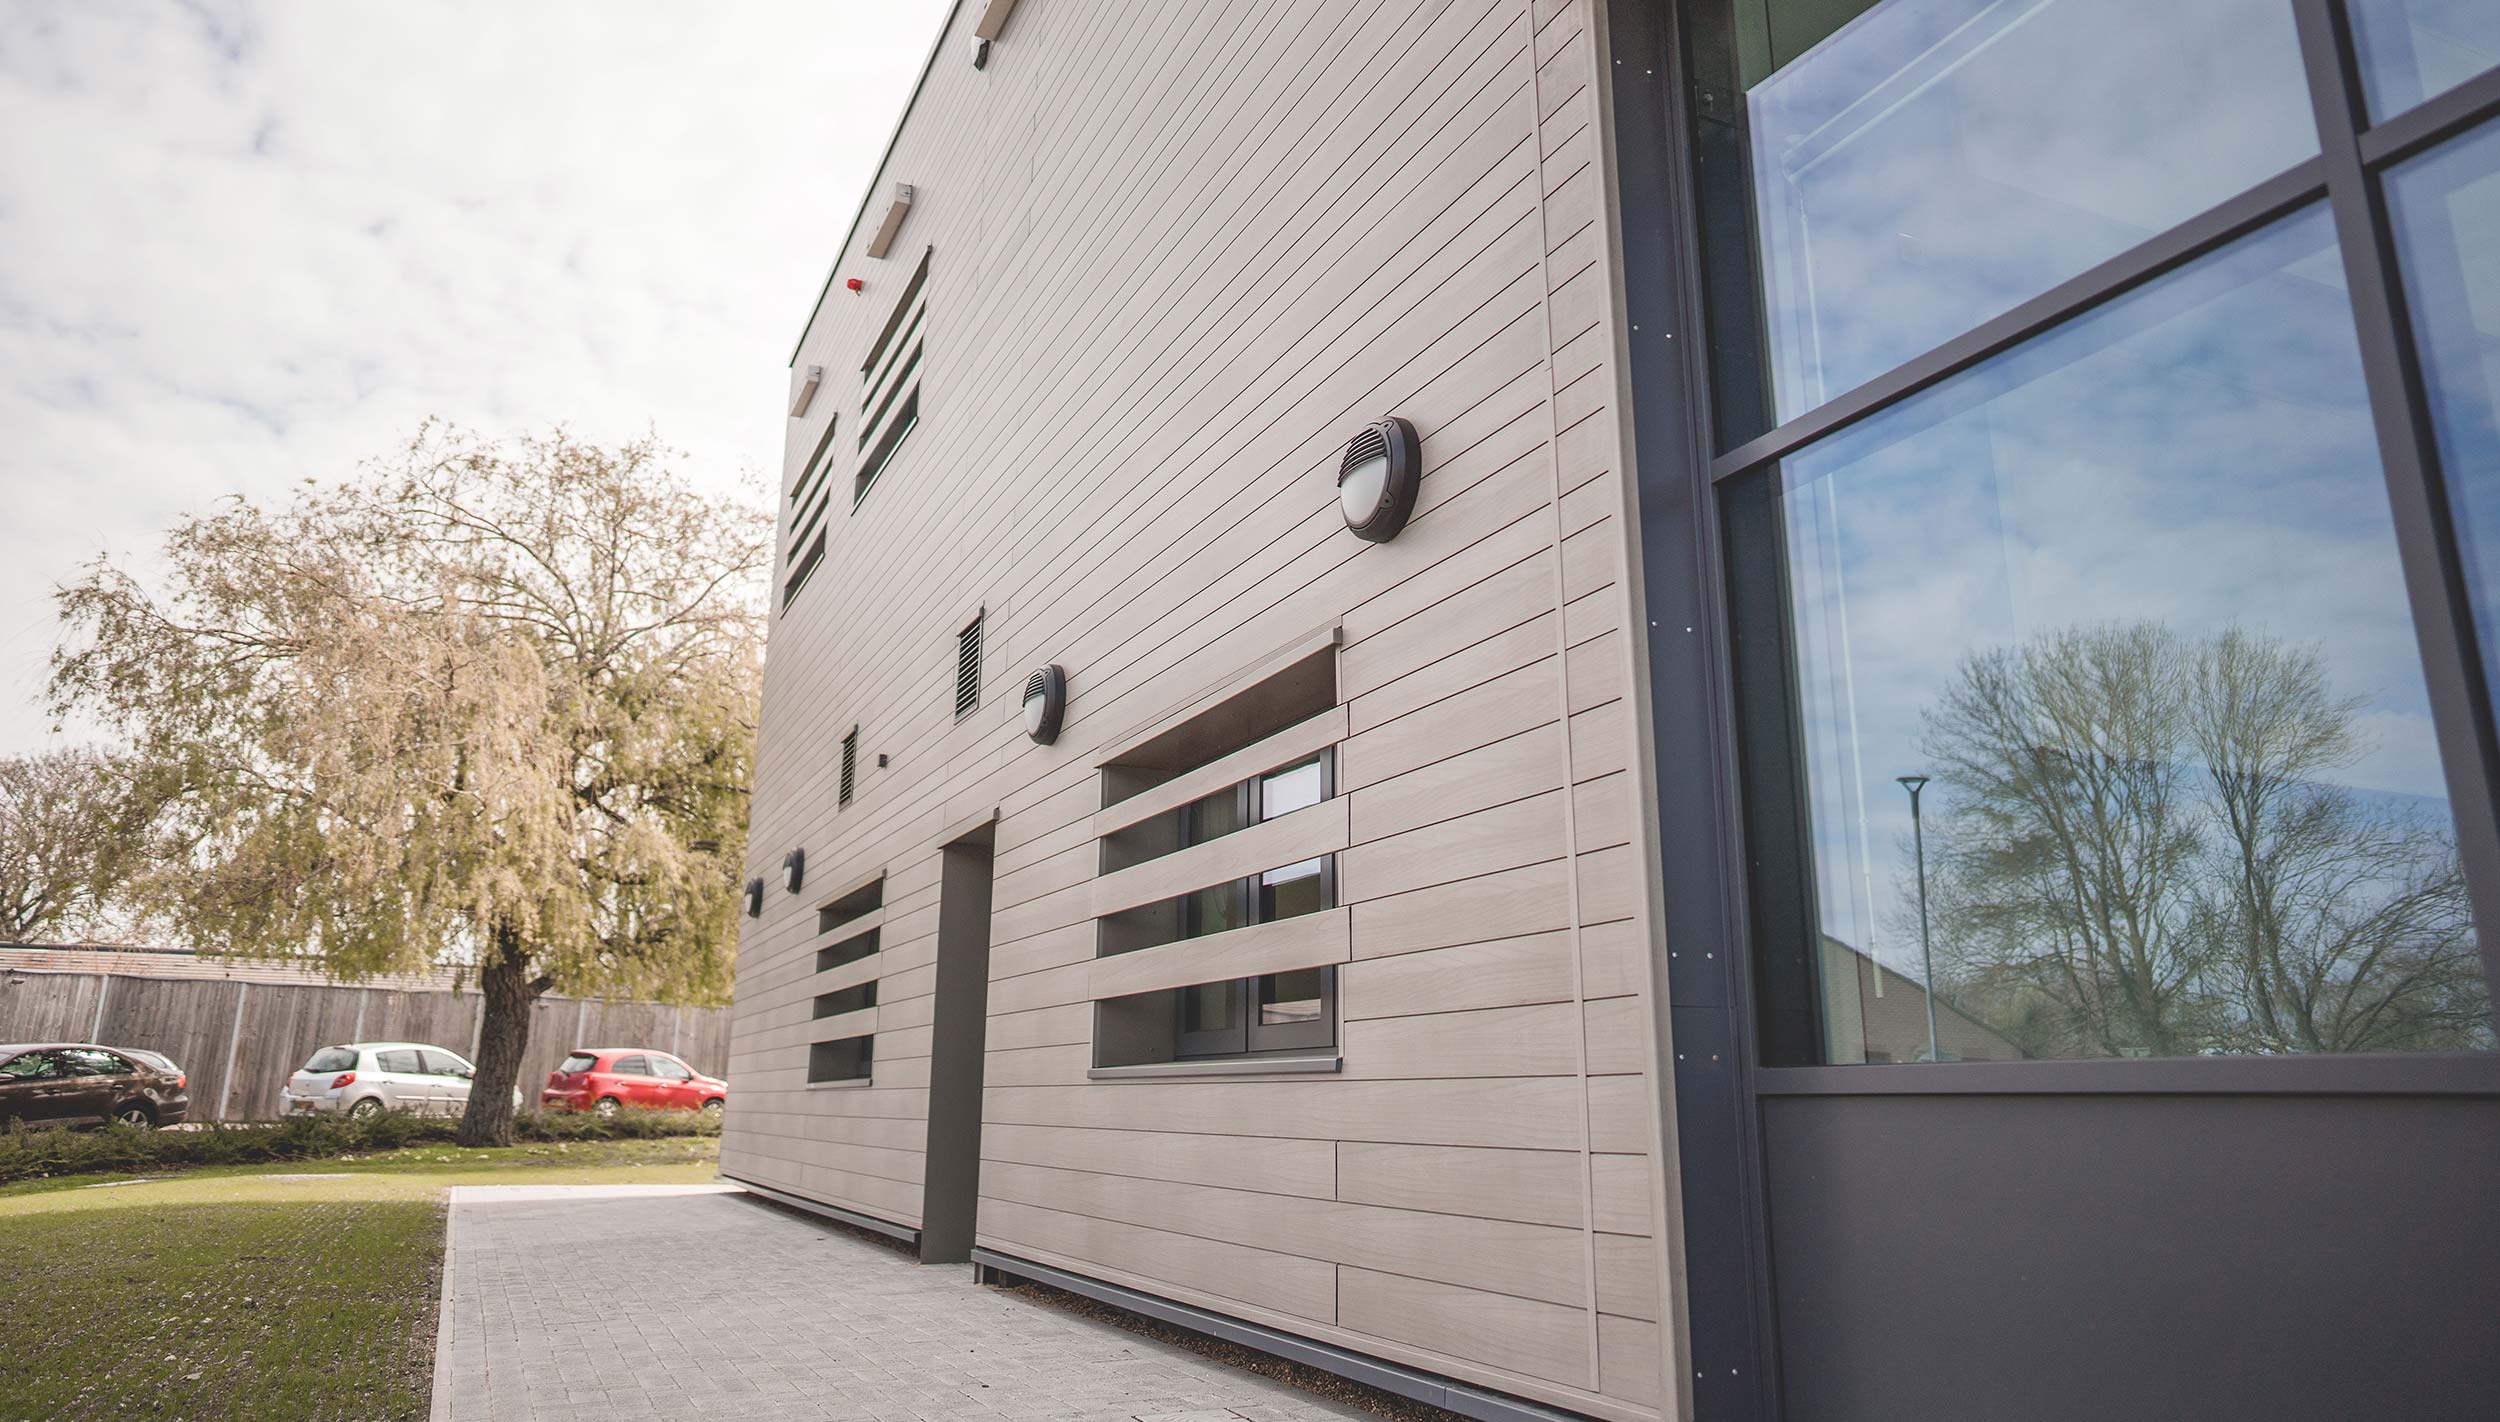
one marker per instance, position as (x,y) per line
(358,1033)
(676,1022)
(234,1039)
(103,990)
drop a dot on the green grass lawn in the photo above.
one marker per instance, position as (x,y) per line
(302,1292)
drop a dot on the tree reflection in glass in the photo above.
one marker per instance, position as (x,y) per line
(2130,595)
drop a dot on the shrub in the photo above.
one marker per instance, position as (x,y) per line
(34,1154)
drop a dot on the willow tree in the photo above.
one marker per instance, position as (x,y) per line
(486,705)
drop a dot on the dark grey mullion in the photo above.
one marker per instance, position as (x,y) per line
(2399,407)
(2433,121)
(2158,255)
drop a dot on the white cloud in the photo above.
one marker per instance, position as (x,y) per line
(245,244)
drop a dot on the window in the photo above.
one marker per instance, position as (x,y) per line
(809,498)
(847,1059)
(631,1066)
(35,1066)
(332,1059)
(2083,713)
(849,999)
(398,1059)
(2446,210)
(849,950)
(2412,50)
(1274,725)
(577,1063)
(890,383)
(968,669)
(88,1061)
(850,767)
(670,1069)
(441,1063)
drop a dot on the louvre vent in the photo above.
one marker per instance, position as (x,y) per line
(1370,444)
(850,764)
(968,668)
(1035,685)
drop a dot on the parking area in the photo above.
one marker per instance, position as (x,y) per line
(623,1303)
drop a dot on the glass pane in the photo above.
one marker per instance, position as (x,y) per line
(2127,602)
(1290,997)
(2446,209)
(1214,816)
(2412,50)
(1292,891)
(1211,1007)
(1289,790)
(1212,910)
(1937,162)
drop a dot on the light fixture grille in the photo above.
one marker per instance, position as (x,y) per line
(1370,444)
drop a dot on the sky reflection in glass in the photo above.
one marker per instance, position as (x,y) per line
(2130,594)
(2446,208)
(1935,163)
(2413,50)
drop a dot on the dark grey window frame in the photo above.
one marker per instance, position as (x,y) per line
(1678,129)
(1251,1039)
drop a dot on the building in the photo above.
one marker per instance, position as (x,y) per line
(1990,494)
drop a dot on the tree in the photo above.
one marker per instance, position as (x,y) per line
(487,705)
(69,836)
(2143,849)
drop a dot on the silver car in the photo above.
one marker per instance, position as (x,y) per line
(365,1078)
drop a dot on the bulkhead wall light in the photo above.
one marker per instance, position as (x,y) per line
(1045,701)
(755,898)
(1379,478)
(793,869)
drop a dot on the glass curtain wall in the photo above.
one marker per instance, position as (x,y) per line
(2092,703)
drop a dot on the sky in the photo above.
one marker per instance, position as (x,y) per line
(245,244)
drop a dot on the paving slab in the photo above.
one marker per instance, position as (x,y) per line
(639,1303)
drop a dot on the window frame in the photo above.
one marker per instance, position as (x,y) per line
(1249,1037)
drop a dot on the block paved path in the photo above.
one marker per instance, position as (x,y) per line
(636,1303)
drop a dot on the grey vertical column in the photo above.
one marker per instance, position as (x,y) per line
(951,1188)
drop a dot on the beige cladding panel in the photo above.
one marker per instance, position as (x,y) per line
(1177,256)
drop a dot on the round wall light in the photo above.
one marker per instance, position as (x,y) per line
(1377,483)
(1045,700)
(793,869)
(755,898)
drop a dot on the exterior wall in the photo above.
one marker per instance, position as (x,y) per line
(1179,255)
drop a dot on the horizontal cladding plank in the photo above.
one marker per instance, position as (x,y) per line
(1311,940)
(1601,740)
(1516,701)
(1469,780)
(1053,1025)
(868,1194)
(1631,1359)
(1625,1190)
(1242,1162)
(1627,1276)
(1511,836)
(1304,1288)
(1293,743)
(1618,1035)
(1457,670)
(1505,972)
(1601,812)
(1038,1066)
(1288,839)
(1614,958)
(1538,1040)
(843,1024)
(1543,1340)
(1536,1113)
(1531,899)
(884,1132)
(1531,1186)
(1529,1260)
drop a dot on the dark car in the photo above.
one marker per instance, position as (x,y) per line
(82,1084)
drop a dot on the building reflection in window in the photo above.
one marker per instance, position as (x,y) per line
(2129,596)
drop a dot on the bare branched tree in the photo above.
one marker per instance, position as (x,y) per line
(486,705)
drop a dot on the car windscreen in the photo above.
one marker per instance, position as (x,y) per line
(332,1059)
(578,1062)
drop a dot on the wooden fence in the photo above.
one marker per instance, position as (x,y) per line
(239,1041)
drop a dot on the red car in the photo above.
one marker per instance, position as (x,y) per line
(608,1079)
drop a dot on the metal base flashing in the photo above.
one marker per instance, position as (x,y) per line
(991,1267)
(904,1233)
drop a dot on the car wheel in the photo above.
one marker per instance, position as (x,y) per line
(608,1106)
(713,1107)
(366,1109)
(136,1113)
